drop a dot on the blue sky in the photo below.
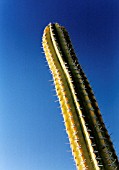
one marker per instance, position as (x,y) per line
(32,135)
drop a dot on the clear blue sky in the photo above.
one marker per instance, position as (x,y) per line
(32,135)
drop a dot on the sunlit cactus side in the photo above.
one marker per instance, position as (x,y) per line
(89,139)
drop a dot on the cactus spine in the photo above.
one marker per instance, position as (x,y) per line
(89,140)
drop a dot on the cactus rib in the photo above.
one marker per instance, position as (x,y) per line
(90,142)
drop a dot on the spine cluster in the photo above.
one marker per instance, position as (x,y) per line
(89,140)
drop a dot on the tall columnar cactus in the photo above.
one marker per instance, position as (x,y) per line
(89,140)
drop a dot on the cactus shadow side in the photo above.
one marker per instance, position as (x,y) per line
(90,142)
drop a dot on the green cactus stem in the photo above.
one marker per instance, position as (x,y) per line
(89,139)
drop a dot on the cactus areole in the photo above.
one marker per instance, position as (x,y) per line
(89,139)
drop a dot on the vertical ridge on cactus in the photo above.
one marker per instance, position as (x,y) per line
(89,139)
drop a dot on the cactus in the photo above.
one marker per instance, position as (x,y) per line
(89,139)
